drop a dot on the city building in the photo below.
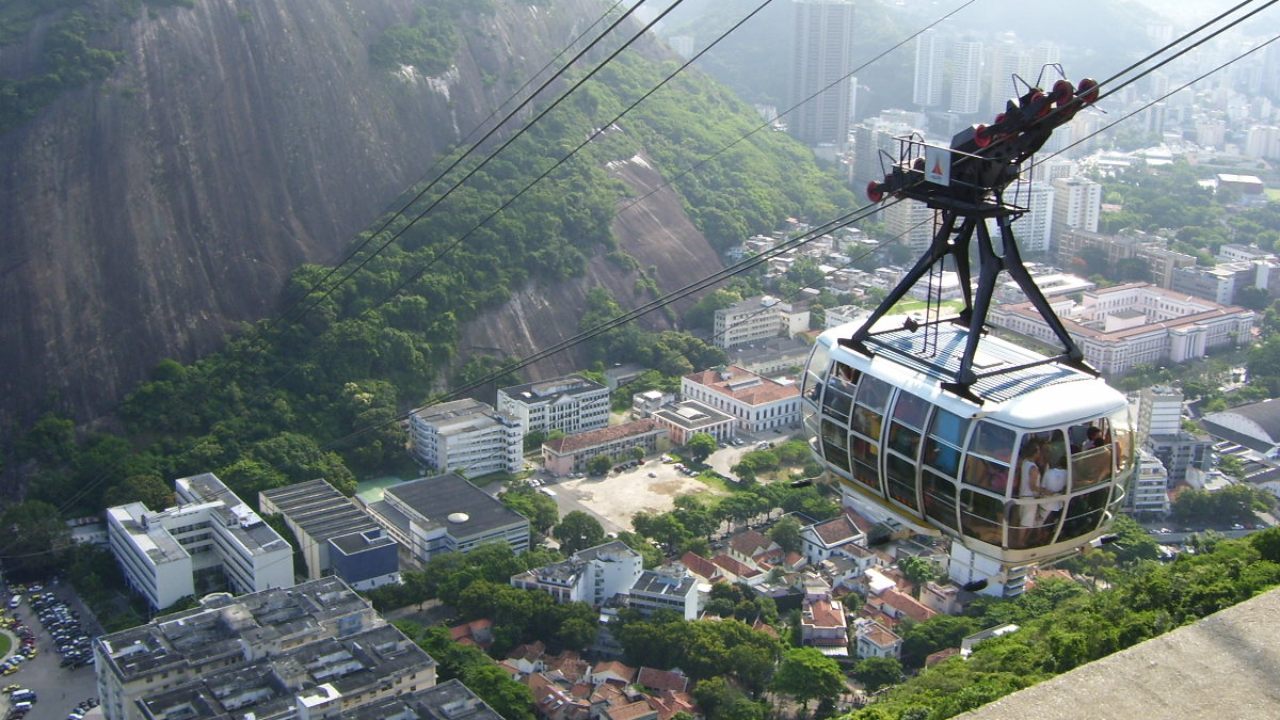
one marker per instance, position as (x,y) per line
(875,640)
(312,651)
(336,536)
(1152,250)
(1149,495)
(774,356)
(1123,326)
(823,625)
(756,403)
(570,404)
(823,539)
(909,223)
(757,319)
(446,513)
(1077,203)
(450,700)
(210,539)
(966,77)
(1255,426)
(1223,282)
(644,404)
(1160,431)
(1034,229)
(823,49)
(466,436)
(571,453)
(682,420)
(654,591)
(593,575)
(926,90)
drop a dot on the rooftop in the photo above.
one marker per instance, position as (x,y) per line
(460,415)
(450,700)
(319,509)
(443,501)
(654,583)
(547,390)
(593,438)
(744,386)
(691,415)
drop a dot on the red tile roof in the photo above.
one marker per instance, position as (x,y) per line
(621,670)
(761,393)
(630,711)
(662,679)
(837,531)
(935,658)
(701,566)
(824,613)
(879,635)
(592,438)
(907,605)
(750,542)
(734,567)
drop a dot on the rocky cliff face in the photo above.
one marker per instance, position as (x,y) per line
(146,216)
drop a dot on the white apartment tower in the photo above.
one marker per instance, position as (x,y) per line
(966,77)
(571,404)
(757,319)
(1034,229)
(1077,202)
(466,436)
(1150,487)
(909,223)
(927,89)
(823,50)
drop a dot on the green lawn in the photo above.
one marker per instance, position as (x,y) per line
(6,642)
(950,307)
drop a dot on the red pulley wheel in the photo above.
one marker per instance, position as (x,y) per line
(1087,91)
(981,137)
(875,193)
(1062,92)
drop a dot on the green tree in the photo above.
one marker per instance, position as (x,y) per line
(541,509)
(150,490)
(918,571)
(877,672)
(578,530)
(599,465)
(921,640)
(700,447)
(36,537)
(806,674)
(787,533)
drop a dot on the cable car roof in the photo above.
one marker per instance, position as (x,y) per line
(1040,396)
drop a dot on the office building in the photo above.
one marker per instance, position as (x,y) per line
(594,575)
(571,453)
(1077,203)
(966,77)
(1152,250)
(822,56)
(926,90)
(570,404)
(655,590)
(335,534)
(683,420)
(446,513)
(210,539)
(757,319)
(466,436)
(450,700)
(756,403)
(1034,229)
(312,651)
(1123,326)
(909,223)
(1149,495)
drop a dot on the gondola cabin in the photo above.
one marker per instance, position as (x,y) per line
(1031,474)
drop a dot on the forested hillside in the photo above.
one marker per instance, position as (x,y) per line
(259,412)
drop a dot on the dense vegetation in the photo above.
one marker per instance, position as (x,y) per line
(1063,626)
(430,42)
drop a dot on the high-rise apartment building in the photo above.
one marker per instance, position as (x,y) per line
(908,223)
(822,57)
(1077,202)
(966,77)
(1034,228)
(930,63)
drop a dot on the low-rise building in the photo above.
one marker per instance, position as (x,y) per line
(1120,327)
(466,436)
(774,356)
(446,513)
(823,539)
(654,591)
(682,420)
(593,575)
(572,453)
(315,650)
(570,404)
(644,404)
(757,403)
(876,640)
(1255,426)
(335,534)
(758,318)
(450,700)
(209,537)
(823,626)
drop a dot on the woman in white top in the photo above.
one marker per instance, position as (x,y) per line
(1029,485)
(1054,483)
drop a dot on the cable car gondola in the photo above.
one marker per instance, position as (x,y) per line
(1020,458)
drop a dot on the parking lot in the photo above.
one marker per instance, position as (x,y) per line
(57,689)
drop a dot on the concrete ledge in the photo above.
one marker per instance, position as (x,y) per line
(1224,667)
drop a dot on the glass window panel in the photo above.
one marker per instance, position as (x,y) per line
(865,450)
(939,498)
(904,440)
(844,377)
(815,370)
(901,480)
(1085,512)
(949,427)
(835,434)
(837,455)
(1122,439)
(992,441)
(866,422)
(867,475)
(986,474)
(980,516)
(941,456)
(873,393)
(910,410)
(1090,467)
(837,403)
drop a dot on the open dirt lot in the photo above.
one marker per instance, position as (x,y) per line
(615,499)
